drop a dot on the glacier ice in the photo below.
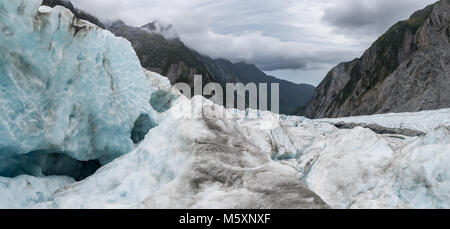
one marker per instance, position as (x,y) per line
(359,169)
(66,85)
(235,163)
(191,163)
(75,96)
(47,163)
(141,127)
(27,191)
(160,100)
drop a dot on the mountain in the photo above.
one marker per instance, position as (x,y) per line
(407,69)
(158,27)
(169,57)
(159,50)
(291,95)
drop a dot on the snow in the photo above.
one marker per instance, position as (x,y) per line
(354,168)
(358,168)
(27,191)
(69,87)
(191,163)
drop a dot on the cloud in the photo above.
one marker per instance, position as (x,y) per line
(369,17)
(238,30)
(302,35)
(268,53)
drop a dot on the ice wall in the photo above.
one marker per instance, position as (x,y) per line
(66,86)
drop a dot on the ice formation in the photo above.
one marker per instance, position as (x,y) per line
(191,163)
(66,86)
(270,162)
(27,191)
(75,94)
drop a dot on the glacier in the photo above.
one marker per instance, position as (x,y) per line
(76,98)
(191,163)
(67,87)
(27,191)
(270,162)
(357,168)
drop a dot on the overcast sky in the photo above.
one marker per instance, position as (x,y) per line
(297,40)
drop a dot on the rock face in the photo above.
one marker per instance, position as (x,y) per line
(405,70)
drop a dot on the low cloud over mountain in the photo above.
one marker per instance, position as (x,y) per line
(304,36)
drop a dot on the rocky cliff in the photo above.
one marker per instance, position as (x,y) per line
(407,69)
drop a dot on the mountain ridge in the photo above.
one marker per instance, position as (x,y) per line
(291,94)
(170,58)
(179,63)
(386,78)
